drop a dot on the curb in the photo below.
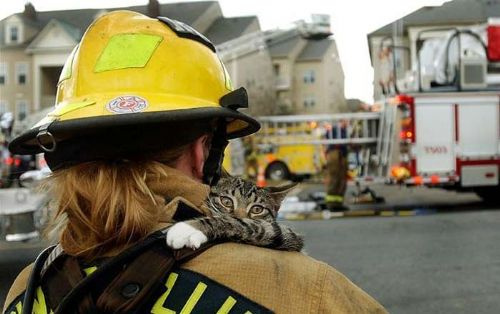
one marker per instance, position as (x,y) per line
(327,215)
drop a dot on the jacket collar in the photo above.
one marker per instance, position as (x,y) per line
(176,187)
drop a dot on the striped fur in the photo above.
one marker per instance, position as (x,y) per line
(244,213)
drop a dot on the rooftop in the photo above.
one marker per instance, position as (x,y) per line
(225,29)
(282,45)
(452,12)
(76,21)
(314,50)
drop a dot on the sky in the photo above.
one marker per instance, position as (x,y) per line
(351,21)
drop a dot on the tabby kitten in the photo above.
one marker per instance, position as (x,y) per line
(241,212)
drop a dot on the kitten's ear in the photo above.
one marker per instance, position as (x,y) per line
(279,192)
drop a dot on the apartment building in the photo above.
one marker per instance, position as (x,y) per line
(308,72)
(34,46)
(291,71)
(405,31)
(247,60)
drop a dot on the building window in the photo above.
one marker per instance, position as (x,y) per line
(22,73)
(14,34)
(276,68)
(3,73)
(4,107)
(309,101)
(309,76)
(21,109)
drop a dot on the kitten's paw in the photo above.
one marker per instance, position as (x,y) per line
(183,235)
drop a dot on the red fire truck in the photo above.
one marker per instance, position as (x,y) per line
(447,134)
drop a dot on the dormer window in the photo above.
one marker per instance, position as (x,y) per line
(14,34)
(13,31)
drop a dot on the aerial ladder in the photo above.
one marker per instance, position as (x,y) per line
(368,132)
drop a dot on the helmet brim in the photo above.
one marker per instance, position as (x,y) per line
(179,121)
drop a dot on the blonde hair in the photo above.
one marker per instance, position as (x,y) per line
(103,205)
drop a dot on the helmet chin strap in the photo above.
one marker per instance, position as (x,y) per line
(213,165)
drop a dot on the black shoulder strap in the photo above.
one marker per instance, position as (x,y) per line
(34,280)
(128,291)
(121,284)
(113,274)
(136,285)
(61,276)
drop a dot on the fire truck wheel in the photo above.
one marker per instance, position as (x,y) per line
(489,194)
(277,171)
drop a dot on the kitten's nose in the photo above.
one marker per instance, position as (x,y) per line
(241,212)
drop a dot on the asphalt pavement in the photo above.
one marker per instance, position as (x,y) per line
(447,262)
(442,263)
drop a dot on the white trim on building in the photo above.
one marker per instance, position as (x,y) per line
(39,62)
(13,31)
(53,38)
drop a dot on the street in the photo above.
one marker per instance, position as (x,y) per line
(443,263)
(447,262)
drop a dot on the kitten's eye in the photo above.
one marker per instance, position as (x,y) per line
(257,209)
(226,202)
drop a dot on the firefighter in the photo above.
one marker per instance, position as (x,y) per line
(336,168)
(251,162)
(144,111)
(386,80)
(6,124)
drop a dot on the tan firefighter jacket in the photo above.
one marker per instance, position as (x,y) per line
(236,277)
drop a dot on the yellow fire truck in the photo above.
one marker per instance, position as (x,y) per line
(292,146)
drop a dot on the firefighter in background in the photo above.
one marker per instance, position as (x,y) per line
(386,80)
(6,124)
(336,168)
(251,162)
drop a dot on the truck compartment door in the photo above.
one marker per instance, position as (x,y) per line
(434,128)
(478,127)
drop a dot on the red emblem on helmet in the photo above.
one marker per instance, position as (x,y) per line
(127,104)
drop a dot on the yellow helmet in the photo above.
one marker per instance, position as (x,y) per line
(135,83)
